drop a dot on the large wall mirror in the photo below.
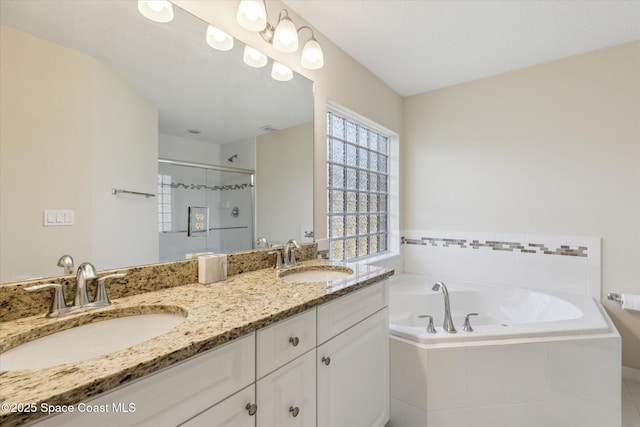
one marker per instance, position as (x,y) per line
(93,95)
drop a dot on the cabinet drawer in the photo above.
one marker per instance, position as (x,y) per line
(175,394)
(339,315)
(231,412)
(284,341)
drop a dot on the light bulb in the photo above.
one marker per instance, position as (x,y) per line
(156,10)
(218,39)
(312,56)
(280,72)
(252,15)
(254,58)
(285,39)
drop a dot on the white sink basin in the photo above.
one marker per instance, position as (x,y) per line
(316,274)
(86,341)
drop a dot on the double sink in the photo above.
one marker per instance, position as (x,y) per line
(86,336)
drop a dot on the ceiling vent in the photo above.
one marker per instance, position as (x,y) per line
(268,128)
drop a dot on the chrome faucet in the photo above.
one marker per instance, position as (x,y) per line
(289,256)
(262,241)
(447,325)
(86,271)
(66,262)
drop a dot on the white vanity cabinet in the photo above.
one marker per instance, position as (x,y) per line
(325,367)
(353,360)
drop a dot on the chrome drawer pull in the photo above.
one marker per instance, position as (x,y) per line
(252,408)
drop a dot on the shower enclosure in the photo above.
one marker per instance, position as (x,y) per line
(204,208)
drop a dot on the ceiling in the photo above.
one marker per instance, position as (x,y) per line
(417,46)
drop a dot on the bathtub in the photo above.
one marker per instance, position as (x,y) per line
(503,312)
(533,359)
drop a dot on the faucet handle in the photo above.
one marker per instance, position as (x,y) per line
(101,299)
(430,327)
(58,303)
(467,325)
(279,265)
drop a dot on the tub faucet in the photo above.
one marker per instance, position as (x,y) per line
(448,325)
(86,271)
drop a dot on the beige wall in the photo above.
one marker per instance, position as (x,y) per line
(70,130)
(284,173)
(45,123)
(550,149)
(342,80)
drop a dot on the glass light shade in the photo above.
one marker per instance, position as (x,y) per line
(252,15)
(280,72)
(156,10)
(285,39)
(254,58)
(312,56)
(218,39)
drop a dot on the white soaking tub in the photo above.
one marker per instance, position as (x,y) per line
(503,312)
(533,359)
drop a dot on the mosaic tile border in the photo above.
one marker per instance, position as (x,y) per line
(496,245)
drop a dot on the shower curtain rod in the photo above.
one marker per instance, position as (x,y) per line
(209,167)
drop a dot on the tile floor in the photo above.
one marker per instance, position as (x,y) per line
(630,404)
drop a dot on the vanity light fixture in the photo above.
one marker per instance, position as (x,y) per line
(252,15)
(281,72)
(285,38)
(254,58)
(156,10)
(312,56)
(218,39)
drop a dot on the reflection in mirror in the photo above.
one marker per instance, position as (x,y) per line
(93,94)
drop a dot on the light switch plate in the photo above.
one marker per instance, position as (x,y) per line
(59,218)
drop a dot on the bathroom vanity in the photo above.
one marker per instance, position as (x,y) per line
(253,350)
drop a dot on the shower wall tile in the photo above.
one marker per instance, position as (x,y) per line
(567,264)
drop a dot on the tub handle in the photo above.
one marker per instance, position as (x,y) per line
(430,327)
(467,324)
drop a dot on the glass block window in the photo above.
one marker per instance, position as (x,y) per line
(164,203)
(358,189)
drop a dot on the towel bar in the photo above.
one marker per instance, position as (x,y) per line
(137,193)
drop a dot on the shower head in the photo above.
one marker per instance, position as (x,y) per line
(230,159)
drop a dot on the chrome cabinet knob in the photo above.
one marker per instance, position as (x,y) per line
(294,341)
(251,408)
(326,360)
(294,411)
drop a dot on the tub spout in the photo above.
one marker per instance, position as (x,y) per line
(447,325)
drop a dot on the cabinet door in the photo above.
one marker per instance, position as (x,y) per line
(231,412)
(353,375)
(287,397)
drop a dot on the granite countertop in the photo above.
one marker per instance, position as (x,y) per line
(215,314)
